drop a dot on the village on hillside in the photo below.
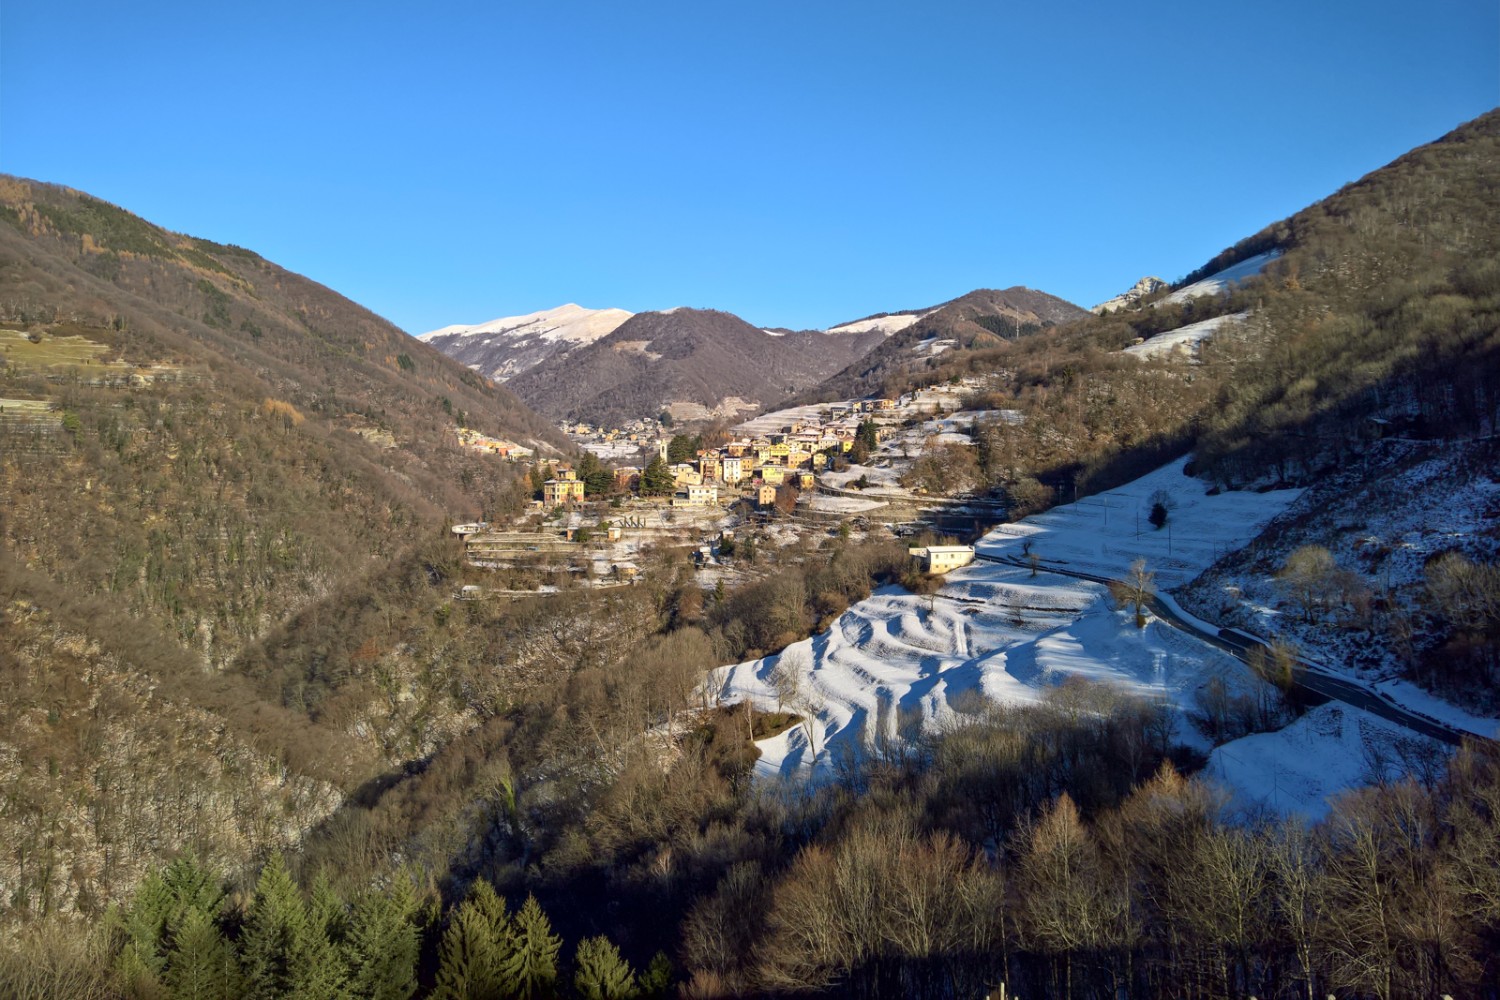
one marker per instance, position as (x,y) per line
(778,479)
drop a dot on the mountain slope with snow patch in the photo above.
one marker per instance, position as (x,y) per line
(505,347)
(1225,279)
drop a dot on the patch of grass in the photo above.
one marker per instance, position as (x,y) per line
(25,407)
(50,350)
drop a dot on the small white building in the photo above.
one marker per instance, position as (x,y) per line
(942,558)
(696,495)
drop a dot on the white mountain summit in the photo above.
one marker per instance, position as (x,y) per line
(567,322)
(505,347)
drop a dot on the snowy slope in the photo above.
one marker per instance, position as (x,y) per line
(896,651)
(997,632)
(993,630)
(568,322)
(1218,282)
(1329,750)
(1184,338)
(505,347)
(887,325)
(1103,534)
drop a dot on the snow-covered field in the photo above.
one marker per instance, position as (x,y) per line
(1219,281)
(1105,533)
(996,632)
(843,505)
(933,346)
(882,480)
(1184,338)
(881,324)
(992,630)
(772,423)
(1329,750)
(613,450)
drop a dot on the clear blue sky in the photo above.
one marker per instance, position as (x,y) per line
(799,163)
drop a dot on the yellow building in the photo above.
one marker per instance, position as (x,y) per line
(568,488)
(773,474)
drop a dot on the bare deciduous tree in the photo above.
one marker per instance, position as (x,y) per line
(1135,591)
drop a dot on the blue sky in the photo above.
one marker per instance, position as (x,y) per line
(798,163)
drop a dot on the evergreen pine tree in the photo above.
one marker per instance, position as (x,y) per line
(142,961)
(467,959)
(657,978)
(383,945)
(530,971)
(657,478)
(275,934)
(601,973)
(202,965)
(477,943)
(483,898)
(162,906)
(320,967)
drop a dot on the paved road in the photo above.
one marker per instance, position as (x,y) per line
(1312,678)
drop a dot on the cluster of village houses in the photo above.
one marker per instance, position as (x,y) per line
(472,439)
(756,466)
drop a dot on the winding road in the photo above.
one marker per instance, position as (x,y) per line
(1311,678)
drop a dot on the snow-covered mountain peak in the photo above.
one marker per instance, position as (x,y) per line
(570,322)
(509,345)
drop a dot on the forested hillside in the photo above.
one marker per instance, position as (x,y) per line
(214,425)
(198,449)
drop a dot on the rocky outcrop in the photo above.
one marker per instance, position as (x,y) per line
(1141,289)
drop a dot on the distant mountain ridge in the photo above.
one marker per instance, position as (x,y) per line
(608,366)
(982,317)
(694,363)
